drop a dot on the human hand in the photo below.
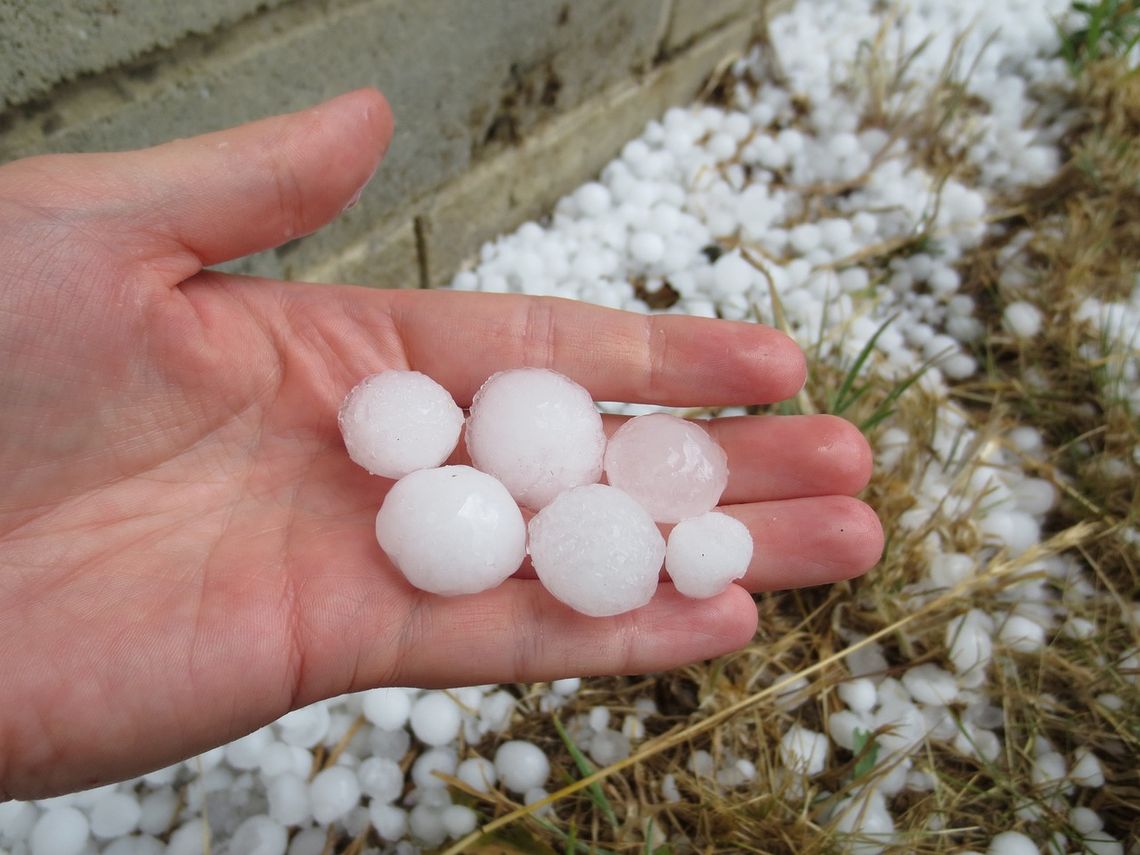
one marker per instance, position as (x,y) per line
(186,551)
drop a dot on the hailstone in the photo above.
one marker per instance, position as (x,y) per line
(704,554)
(670,465)
(596,549)
(536,431)
(396,422)
(452,530)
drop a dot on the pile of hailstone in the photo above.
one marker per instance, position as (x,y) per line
(535,440)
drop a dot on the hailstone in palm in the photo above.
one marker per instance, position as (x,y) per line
(597,550)
(538,432)
(705,554)
(452,530)
(670,465)
(397,422)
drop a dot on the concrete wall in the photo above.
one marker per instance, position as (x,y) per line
(501,105)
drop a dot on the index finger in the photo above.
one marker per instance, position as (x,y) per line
(462,338)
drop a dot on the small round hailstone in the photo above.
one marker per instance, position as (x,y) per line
(868,818)
(114,815)
(1022,319)
(16,821)
(431,761)
(597,550)
(478,773)
(647,247)
(706,553)
(396,422)
(593,199)
(435,718)
(566,686)
(188,838)
(334,792)
(260,835)
(59,831)
(1012,843)
(452,530)
(245,753)
(288,797)
(929,684)
(158,808)
(391,823)
(859,694)
(538,432)
(459,820)
(1087,770)
(381,778)
(387,708)
(732,275)
(671,466)
(608,746)
(309,841)
(804,751)
(425,824)
(305,727)
(1022,634)
(521,765)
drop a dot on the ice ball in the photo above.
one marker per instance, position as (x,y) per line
(704,554)
(333,793)
(396,422)
(477,773)
(436,718)
(536,431)
(114,815)
(387,708)
(60,831)
(670,465)
(521,765)
(452,530)
(260,835)
(597,550)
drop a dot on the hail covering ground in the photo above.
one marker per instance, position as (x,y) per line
(746,180)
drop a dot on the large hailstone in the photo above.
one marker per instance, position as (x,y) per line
(536,431)
(704,554)
(452,530)
(670,465)
(396,422)
(597,550)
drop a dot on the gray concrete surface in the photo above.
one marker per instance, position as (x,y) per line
(47,42)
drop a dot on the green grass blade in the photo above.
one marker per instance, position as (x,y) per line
(585,767)
(867,752)
(886,408)
(840,402)
(578,845)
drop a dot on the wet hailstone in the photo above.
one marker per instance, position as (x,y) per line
(396,422)
(452,530)
(706,553)
(597,550)
(670,465)
(538,432)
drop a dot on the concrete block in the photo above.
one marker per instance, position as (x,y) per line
(693,18)
(51,41)
(389,257)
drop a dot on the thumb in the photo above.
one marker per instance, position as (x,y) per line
(222,195)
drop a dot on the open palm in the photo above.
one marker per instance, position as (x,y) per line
(186,551)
